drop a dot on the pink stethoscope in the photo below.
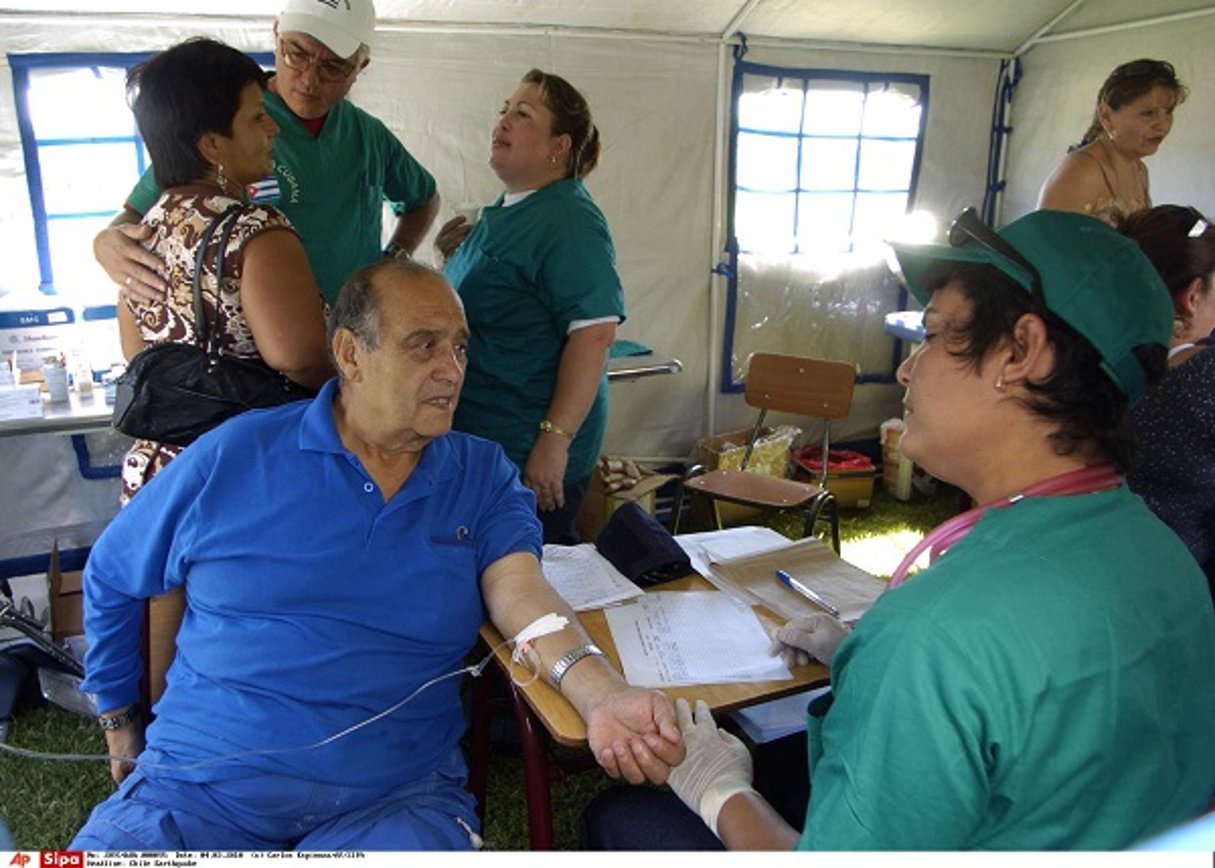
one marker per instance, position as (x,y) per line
(1086,480)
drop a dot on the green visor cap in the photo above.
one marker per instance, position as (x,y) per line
(1095,280)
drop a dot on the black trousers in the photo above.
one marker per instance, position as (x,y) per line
(560,524)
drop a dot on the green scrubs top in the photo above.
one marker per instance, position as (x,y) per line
(525,273)
(1047,684)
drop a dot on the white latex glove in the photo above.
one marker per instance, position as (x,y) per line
(716,767)
(815,636)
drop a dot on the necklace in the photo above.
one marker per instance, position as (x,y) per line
(1134,195)
(1086,480)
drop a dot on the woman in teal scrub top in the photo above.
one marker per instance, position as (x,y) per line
(537,274)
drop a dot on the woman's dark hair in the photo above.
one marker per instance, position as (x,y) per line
(572,117)
(1089,409)
(1130,81)
(1179,241)
(183,92)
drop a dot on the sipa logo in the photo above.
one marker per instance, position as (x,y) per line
(61,859)
(20,860)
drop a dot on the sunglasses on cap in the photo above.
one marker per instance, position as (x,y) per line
(967,227)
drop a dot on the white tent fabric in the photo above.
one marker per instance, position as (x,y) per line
(657,75)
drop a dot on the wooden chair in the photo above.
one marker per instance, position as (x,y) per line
(161,621)
(787,384)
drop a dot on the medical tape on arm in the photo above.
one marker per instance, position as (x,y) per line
(542,626)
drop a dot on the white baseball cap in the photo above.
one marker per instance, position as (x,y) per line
(341,25)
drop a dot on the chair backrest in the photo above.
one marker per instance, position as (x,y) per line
(801,385)
(798,384)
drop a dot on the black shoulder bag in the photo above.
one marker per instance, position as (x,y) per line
(176,392)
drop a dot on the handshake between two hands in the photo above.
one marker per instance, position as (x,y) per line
(718,765)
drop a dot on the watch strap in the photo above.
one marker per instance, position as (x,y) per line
(118,721)
(396,251)
(568,659)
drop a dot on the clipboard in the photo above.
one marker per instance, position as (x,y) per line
(812,562)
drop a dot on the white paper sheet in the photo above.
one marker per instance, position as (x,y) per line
(769,721)
(705,548)
(584,578)
(666,639)
(20,402)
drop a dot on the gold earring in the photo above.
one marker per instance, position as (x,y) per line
(1000,383)
(220,177)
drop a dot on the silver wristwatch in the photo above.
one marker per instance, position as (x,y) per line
(118,721)
(568,659)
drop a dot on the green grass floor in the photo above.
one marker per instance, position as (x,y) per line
(44,803)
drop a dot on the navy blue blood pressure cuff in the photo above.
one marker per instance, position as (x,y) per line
(641,548)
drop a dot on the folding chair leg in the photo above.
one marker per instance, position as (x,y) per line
(835,524)
(478,741)
(677,509)
(825,501)
(681,492)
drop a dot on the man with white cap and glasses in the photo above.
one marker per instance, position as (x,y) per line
(1045,683)
(335,164)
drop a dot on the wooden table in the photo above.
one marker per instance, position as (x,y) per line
(544,714)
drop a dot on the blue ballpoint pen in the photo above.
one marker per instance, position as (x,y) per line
(810,595)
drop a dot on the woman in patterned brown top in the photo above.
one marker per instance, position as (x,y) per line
(199,109)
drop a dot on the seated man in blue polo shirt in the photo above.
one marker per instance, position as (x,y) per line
(338,556)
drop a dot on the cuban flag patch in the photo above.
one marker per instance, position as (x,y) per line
(265,190)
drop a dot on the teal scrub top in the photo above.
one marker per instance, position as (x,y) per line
(525,273)
(1045,685)
(332,187)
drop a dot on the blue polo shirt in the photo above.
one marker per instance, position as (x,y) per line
(311,603)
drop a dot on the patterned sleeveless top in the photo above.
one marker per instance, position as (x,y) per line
(179,220)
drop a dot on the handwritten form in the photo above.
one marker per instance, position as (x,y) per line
(584,578)
(668,639)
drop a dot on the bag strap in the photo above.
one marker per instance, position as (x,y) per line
(207,337)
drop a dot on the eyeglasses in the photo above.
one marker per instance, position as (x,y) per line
(967,227)
(328,70)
